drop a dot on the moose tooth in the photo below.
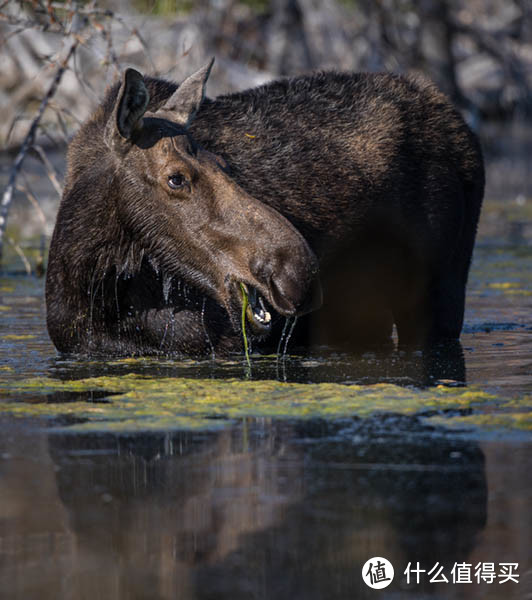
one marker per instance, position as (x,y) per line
(262,316)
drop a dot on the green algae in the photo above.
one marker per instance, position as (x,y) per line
(144,403)
(244,308)
(503,285)
(489,421)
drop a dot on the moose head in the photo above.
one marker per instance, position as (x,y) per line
(182,206)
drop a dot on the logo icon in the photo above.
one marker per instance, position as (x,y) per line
(377,573)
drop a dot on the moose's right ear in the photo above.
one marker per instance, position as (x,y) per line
(133,99)
(184,103)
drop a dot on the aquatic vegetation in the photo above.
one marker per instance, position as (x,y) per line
(138,403)
(243,319)
(504,285)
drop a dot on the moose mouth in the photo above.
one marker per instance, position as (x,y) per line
(257,315)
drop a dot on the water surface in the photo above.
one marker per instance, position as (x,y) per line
(143,478)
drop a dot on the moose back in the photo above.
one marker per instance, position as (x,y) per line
(357,192)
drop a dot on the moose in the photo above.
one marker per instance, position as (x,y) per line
(348,200)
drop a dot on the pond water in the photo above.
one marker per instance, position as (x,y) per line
(181,479)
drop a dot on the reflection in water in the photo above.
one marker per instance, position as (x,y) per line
(443,362)
(263,510)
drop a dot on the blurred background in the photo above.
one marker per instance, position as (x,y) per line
(58,58)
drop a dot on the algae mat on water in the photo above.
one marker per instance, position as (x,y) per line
(132,402)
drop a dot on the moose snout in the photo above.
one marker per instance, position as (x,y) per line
(266,252)
(291,278)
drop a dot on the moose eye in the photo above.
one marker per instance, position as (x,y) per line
(176,181)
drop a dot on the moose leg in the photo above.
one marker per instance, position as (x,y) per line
(448,305)
(433,314)
(448,297)
(355,314)
(412,320)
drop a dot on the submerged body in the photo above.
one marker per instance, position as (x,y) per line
(376,175)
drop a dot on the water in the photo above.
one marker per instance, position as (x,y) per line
(182,479)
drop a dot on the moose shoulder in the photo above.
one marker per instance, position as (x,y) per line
(173,202)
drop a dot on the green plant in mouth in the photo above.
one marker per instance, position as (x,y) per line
(244,308)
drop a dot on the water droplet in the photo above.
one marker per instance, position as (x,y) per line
(167,286)
(213,354)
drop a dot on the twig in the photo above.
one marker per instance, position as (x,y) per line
(33,201)
(15,120)
(28,141)
(61,122)
(61,109)
(50,169)
(28,24)
(75,7)
(20,252)
(39,261)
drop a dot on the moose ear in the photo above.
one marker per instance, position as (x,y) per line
(133,98)
(186,100)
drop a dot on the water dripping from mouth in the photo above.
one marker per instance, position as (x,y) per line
(91,293)
(289,335)
(288,330)
(164,337)
(117,304)
(285,328)
(207,337)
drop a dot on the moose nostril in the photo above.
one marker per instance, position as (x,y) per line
(283,291)
(289,277)
(260,269)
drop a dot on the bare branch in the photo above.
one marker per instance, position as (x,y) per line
(29,24)
(33,201)
(28,141)
(20,252)
(50,169)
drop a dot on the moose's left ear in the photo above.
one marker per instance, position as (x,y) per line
(132,101)
(186,100)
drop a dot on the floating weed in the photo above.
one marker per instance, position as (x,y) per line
(129,360)
(506,420)
(517,292)
(143,403)
(504,285)
(15,337)
(510,287)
